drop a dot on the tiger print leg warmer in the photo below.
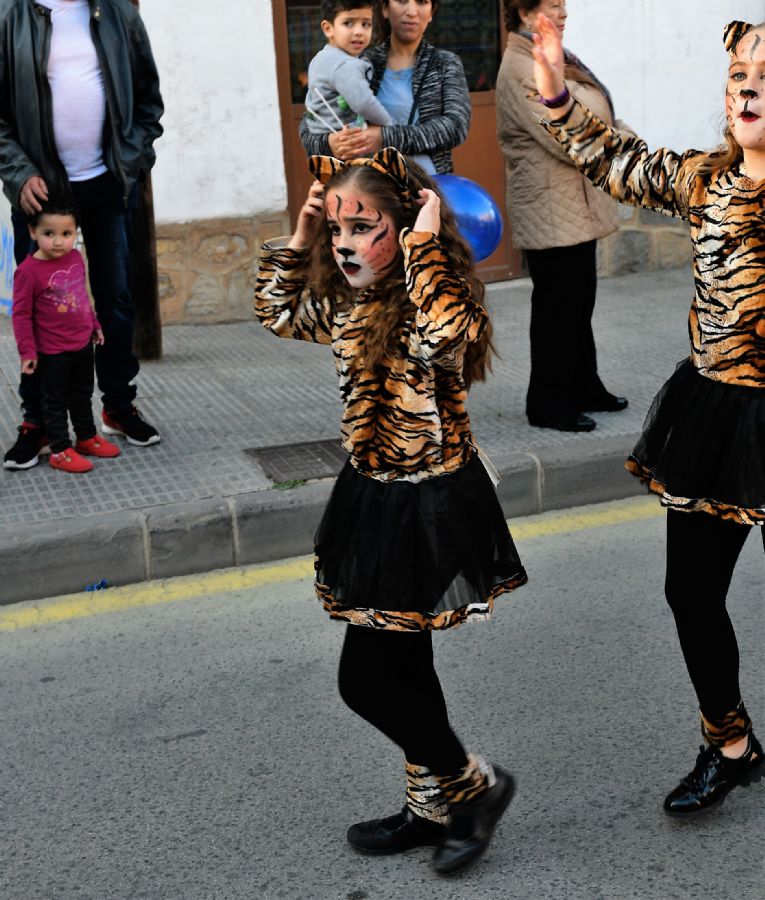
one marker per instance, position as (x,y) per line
(424,796)
(727,730)
(469,783)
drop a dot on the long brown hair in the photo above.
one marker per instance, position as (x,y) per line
(384,328)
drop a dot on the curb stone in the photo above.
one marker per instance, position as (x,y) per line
(261,526)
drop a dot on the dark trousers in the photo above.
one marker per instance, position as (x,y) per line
(564,368)
(388,678)
(65,381)
(702,551)
(105,222)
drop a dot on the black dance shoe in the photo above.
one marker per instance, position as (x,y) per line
(604,403)
(713,777)
(573,422)
(398,833)
(472,826)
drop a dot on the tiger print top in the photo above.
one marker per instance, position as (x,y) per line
(726,213)
(407,420)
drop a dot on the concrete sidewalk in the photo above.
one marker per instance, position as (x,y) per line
(199,501)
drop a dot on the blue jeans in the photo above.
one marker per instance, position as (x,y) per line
(106,226)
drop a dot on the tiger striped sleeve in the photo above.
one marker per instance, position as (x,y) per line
(621,164)
(447,317)
(284,303)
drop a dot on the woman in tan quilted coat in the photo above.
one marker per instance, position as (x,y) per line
(556,217)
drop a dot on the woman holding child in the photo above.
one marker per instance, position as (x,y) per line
(422,87)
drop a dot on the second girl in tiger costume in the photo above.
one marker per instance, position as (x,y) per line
(703,445)
(413,539)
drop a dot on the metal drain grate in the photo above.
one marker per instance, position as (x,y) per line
(299,462)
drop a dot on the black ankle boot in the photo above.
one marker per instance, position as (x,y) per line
(713,777)
(472,826)
(395,834)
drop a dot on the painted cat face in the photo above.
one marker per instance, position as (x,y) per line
(364,239)
(745,92)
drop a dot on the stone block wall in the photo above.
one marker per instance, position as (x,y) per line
(646,241)
(207,268)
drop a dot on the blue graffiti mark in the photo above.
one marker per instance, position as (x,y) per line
(6,268)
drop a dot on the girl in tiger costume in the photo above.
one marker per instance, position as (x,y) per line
(703,444)
(413,539)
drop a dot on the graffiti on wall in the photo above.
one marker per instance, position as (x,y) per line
(6,267)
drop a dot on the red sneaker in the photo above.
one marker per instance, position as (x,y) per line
(97,446)
(70,461)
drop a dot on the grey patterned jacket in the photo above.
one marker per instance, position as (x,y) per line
(444,107)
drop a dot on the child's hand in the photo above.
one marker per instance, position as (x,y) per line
(429,216)
(98,338)
(308,217)
(548,60)
(28,366)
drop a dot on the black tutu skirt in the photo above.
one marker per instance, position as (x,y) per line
(412,556)
(703,447)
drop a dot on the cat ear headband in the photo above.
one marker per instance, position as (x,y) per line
(733,33)
(388,161)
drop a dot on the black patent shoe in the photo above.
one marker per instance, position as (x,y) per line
(472,826)
(398,833)
(604,403)
(713,777)
(573,422)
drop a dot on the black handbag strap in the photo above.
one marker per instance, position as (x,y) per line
(415,102)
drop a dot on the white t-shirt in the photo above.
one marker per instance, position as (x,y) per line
(77,89)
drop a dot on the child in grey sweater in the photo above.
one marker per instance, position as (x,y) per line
(339,75)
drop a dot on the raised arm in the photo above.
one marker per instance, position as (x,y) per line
(617,162)
(447,316)
(284,303)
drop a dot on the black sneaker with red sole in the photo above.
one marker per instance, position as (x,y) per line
(131,426)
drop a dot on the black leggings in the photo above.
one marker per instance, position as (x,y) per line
(388,678)
(702,551)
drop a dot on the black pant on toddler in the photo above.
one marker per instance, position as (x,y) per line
(66,384)
(388,678)
(702,551)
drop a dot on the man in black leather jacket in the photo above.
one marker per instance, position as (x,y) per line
(79,113)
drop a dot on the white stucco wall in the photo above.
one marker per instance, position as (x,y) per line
(221,154)
(663,61)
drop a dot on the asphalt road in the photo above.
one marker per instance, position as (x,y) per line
(186,740)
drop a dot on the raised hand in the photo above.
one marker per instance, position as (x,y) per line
(548,61)
(429,216)
(308,217)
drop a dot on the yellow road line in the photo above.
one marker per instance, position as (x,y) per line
(614,513)
(189,587)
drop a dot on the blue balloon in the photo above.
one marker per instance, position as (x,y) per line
(478,217)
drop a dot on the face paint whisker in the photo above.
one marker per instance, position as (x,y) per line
(381,235)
